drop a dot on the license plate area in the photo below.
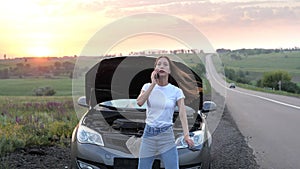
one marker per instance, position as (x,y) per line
(126,163)
(131,163)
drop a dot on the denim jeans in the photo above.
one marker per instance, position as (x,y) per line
(158,143)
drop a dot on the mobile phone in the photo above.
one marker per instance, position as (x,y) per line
(156,76)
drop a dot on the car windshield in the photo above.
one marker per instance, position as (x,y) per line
(123,104)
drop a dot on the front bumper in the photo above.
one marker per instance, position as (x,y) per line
(90,156)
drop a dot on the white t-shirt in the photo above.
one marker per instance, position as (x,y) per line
(161,104)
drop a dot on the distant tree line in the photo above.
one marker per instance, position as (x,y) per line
(163,52)
(257,51)
(26,69)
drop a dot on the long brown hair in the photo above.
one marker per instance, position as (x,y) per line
(186,82)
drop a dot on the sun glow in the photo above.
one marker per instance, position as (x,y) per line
(40,51)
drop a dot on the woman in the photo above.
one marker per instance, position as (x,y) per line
(161,98)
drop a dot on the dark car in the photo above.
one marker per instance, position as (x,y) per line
(232,85)
(113,116)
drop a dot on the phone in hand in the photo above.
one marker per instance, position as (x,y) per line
(156,76)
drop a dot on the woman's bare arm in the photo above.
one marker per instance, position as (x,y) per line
(144,95)
(141,99)
(184,123)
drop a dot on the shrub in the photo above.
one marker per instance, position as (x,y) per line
(60,129)
(9,139)
(60,132)
(290,87)
(238,76)
(44,91)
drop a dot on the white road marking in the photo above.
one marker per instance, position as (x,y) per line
(268,99)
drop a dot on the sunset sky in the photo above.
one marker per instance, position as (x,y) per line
(63,27)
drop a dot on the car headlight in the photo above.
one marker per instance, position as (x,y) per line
(87,135)
(197,137)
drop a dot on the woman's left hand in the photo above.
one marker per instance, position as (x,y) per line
(189,141)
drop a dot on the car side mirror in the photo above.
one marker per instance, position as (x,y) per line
(82,102)
(209,106)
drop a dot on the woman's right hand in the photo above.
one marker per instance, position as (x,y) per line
(189,141)
(153,74)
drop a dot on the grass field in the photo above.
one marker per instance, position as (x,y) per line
(25,87)
(256,65)
(285,60)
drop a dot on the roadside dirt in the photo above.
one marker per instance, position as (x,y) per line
(38,158)
(229,148)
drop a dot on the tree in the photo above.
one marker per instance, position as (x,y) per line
(20,69)
(4,74)
(20,65)
(230,73)
(68,65)
(27,66)
(199,69)
(57,65)
(271,79)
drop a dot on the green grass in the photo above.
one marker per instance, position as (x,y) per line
(288,61)
(251,87)
(25,87)
(32,120)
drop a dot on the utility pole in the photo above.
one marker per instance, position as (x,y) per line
(279,85)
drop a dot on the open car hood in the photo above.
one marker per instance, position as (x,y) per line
(123,78)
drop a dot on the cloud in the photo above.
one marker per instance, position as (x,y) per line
(71,21)
(207,12)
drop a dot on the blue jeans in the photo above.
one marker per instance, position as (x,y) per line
(158,143)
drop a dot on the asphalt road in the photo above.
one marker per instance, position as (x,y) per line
(270,123)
